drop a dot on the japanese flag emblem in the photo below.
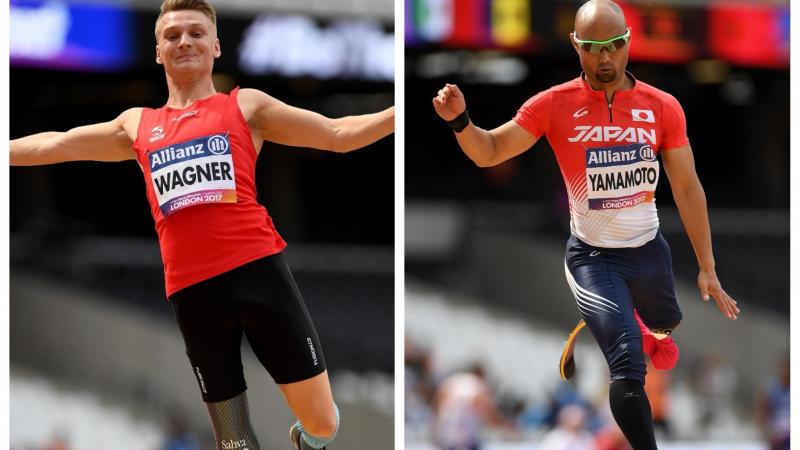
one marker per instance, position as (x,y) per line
(643,115)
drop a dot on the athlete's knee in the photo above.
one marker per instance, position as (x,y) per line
(626,360)
(323,424)
(321,430)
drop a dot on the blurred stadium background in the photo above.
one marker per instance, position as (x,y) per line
(96,359)
(487,306)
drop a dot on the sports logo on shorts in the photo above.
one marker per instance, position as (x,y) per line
(200,380)
(313,352)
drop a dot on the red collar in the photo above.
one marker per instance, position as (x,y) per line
(617,94)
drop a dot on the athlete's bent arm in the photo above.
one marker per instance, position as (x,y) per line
(108,141)
(492,147)
(484,148)
(691,201)
(287,125)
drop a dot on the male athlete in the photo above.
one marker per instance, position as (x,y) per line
(224,271)
(607,129)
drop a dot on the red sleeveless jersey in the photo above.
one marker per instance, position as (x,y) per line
(199,170)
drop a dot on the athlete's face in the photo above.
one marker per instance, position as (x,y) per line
(603,68)
(186,42)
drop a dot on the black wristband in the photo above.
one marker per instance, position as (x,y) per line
(459,123)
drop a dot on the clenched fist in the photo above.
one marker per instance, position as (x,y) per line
(449,102)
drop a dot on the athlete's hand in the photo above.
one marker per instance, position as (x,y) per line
(710,288)
(449,102)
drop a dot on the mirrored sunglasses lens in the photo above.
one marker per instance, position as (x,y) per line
(597,48)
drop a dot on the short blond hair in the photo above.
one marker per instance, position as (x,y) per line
(195,5)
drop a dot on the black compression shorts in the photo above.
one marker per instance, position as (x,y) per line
(261,301)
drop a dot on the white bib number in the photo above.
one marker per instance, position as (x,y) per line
(194,172)
(621,176)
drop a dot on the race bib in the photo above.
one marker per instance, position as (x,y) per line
(622,176)
(192,173)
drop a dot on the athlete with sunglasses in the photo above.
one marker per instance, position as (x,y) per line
(607,130)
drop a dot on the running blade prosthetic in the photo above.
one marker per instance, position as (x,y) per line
(566,366)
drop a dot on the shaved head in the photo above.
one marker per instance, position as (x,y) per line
(597,18)
(602,20)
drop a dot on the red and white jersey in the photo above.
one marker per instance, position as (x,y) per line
(607,153)
(199,169)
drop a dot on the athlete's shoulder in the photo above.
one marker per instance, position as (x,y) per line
(129,121)
(668,113)
(664,103)
(258,108)
(248,93)
(546,96)
(655,93)
(570,86)
(250,100)
(131,114)
(251,95)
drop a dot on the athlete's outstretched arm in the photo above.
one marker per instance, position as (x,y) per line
(691,201)
(484,148)
(107,141)
(287,125)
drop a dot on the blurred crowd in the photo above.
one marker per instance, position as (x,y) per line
(176,437)
(460,410)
